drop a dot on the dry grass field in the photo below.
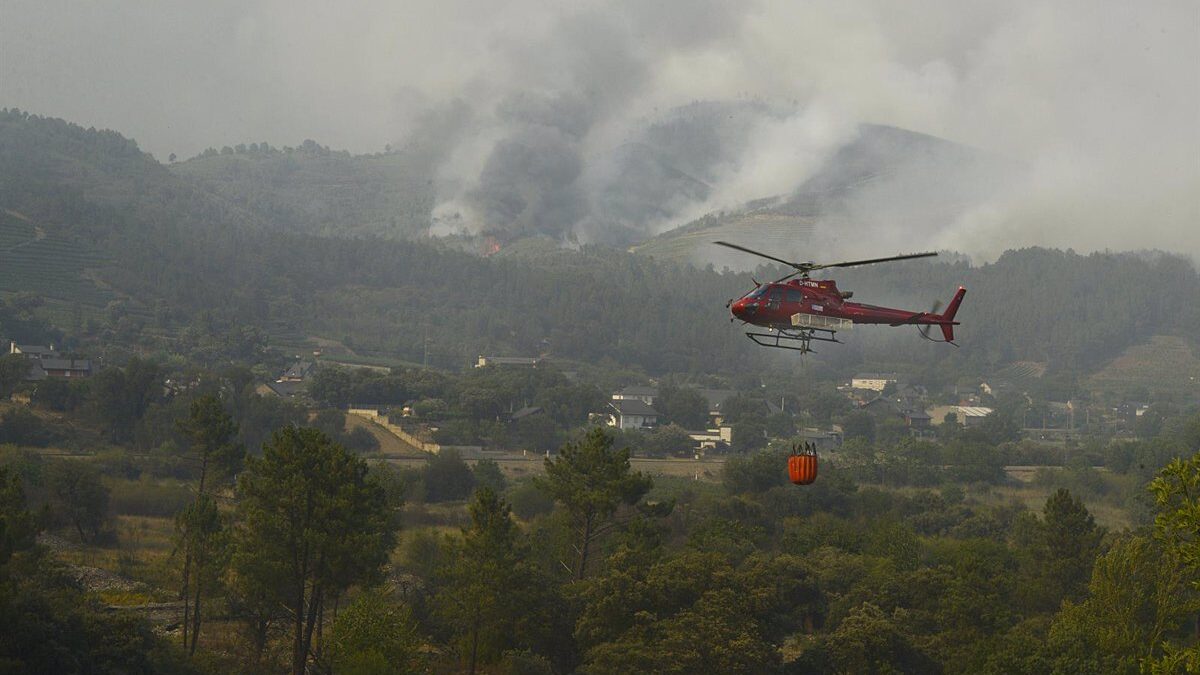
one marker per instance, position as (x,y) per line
(516,465)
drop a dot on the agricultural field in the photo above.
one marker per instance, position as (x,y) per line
(37,260)
(1168,365)
(1022,373)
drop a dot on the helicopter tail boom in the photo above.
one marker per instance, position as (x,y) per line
(947,319)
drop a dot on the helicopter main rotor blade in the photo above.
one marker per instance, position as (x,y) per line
(872,261)
(743,249)
(806,267)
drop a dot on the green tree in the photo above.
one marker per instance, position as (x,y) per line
(212,433)
(448,477)
(692,612)
(667,441)
(375,635)
(332,386)
(488,596)
(78,497)
(712,635)
(859,424)
(867,641)
(756,472)
(1000,428)
(204,535)
(20,426)
(311,526)
(1176,492)
(60,395)
(332,421)
(683,406)
(1137,597)
(200,532)
(1067,545)
(13,369)
(119,397)
(529,501)
(18,527)
(488,474)
(591,480)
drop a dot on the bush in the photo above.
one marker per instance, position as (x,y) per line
(78,498)
(488,474)
(528,501)
(19,426)
(756,472)
(448,478)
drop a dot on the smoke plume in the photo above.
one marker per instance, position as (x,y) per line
(614,121)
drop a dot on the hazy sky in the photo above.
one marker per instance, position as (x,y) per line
(1101,98)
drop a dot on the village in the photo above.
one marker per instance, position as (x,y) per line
(883,403)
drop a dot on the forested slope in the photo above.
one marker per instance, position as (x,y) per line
(315,190)
(160,240)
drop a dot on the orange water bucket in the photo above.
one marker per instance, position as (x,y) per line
(802,469)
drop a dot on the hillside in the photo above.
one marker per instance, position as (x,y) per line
(1166,365)
(314,190)
(35,260)
(885,184)
(196,260)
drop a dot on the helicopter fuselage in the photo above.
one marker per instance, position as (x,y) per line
(774,305)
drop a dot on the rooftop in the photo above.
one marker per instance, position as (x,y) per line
(634,407)
(638,390)
(526,412)
(974,411)
(66,364)
(299,369)
(286,389)
(32,350)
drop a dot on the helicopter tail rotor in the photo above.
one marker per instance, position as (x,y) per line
(924,329)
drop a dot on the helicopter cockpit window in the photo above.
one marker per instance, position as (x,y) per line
(757,293)
(794,295)
(775,297)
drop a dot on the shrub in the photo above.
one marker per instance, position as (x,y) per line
(528,501)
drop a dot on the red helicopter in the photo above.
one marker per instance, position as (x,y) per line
(799,311)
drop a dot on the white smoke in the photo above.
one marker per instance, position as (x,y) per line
(1099,100)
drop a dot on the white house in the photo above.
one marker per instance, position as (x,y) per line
(965,415)
(709,438)
(873,381)
(632,414)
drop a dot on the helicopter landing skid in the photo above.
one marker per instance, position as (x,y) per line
(796,339)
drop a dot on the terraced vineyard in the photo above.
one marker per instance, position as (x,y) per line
(1167,364)
(33,259)
(1022,373)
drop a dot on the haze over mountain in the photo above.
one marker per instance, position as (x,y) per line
(524,111)
(110,238)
